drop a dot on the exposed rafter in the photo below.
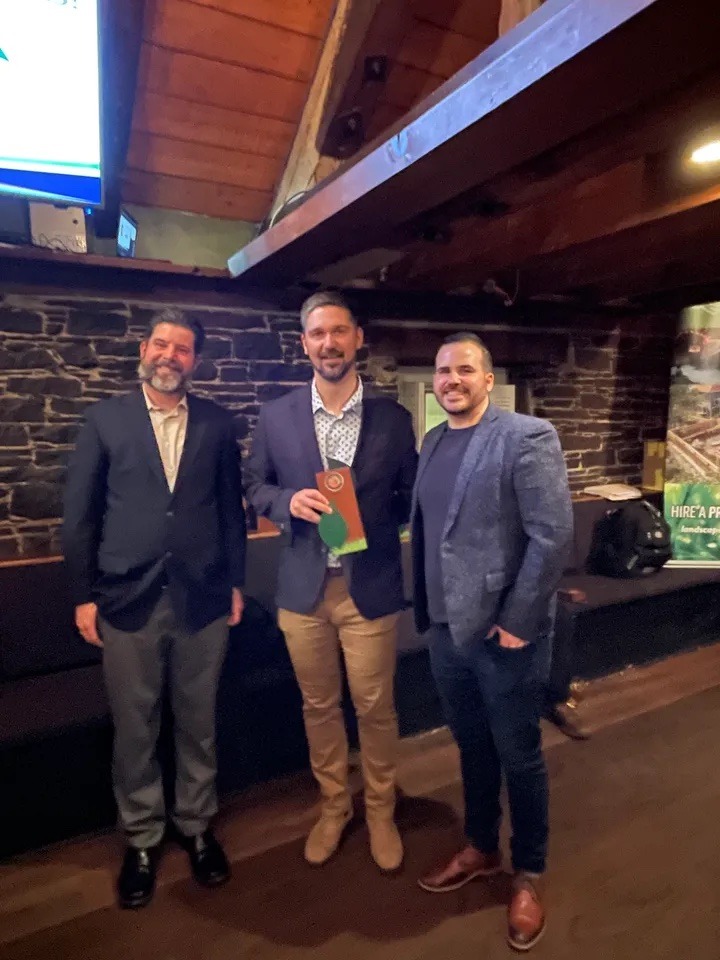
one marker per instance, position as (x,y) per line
(372,35)
(304,165)
(597,60)
(665,248)
(630,195)
(663,122)
(352,69)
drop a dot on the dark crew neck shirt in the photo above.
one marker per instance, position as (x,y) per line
(435,491)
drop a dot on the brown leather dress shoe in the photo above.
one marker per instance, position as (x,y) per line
(526,917)
(465,866)
(566,719)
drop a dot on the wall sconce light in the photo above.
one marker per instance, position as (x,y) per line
(706,153)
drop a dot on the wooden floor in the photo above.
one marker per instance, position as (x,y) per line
(59,891)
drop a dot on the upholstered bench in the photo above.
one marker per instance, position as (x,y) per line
(55,727)
(606,624)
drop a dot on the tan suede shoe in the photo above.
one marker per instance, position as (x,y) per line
(323,839)
(385,844)
(526,917)
(461,869)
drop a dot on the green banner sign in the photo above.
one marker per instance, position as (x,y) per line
(693,512)
(692,465)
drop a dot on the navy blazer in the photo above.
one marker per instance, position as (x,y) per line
(507,533)
(125,534)
(285,458)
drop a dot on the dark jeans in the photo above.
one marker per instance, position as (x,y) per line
(492,698)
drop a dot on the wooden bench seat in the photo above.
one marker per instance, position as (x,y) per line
(606,624)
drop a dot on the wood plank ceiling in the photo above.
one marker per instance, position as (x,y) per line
(222,85)
(221,88)
(594,202)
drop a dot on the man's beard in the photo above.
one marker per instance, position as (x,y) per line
(334,376)
(173,381)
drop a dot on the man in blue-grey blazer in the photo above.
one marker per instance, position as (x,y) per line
(332,606)
(492,525)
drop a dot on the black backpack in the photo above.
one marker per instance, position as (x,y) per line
(631,540)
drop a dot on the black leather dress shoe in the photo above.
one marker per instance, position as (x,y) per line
(136,883)
(207,859)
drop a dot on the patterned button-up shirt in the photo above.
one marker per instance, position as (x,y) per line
(337,434)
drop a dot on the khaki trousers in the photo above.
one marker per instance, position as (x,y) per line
(315,642)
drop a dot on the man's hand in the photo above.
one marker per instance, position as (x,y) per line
(309,505)
(237,605)
(86,617)
(506,639)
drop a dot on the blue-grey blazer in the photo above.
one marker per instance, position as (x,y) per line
(507,533)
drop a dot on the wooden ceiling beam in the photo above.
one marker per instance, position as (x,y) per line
(641,192)
(698,283)
(494,115)
(417,346)
(668,122)
(481,247)
(672,281)
(372,35)
(304,166)
(647,252)
(355,26)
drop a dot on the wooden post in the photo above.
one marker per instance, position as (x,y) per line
(513,12)
(304,168)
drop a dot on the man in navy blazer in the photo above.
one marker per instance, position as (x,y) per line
(492,524)
(154,541)
(330,605)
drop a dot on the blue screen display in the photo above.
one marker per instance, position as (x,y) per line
(50,100)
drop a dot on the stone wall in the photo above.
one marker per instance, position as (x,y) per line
(60,354)
(609,397)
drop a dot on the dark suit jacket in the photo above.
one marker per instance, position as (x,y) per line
(285,458)
(507,533)
(125,534)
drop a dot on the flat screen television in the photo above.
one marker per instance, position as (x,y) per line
(50,100)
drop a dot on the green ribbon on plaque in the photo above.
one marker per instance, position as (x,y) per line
(333,530)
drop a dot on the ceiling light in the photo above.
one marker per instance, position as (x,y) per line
(707,153)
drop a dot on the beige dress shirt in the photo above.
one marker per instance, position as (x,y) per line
(169,427)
